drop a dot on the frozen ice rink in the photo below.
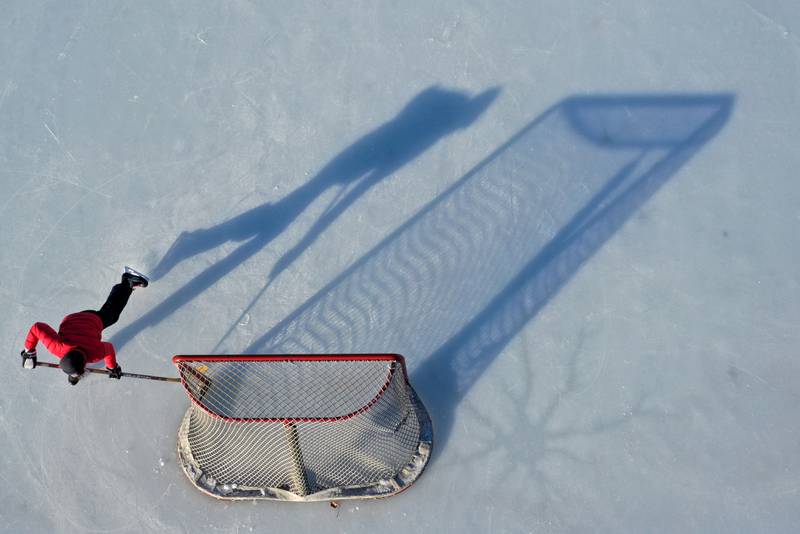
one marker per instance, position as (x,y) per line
(576,220)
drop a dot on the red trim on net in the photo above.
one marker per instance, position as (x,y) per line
(282,357)
(292,358)
(178,359)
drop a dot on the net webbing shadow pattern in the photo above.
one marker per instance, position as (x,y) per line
(301,428)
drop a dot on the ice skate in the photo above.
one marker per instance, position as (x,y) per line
(134,278)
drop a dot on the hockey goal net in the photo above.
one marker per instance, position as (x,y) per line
(301,428)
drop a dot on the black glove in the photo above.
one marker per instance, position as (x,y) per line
(28,358)
(116,372)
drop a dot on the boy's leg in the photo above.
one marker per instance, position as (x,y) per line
(115,303)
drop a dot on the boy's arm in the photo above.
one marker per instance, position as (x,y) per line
(49,338)
(111,356)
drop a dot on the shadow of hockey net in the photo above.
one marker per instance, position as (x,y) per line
(301,428)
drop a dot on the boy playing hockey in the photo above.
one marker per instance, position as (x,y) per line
(79,337)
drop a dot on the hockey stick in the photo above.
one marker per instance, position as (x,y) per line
(105,372)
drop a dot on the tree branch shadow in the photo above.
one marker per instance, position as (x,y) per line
(528,440)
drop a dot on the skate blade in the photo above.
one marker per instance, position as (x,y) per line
(133,271)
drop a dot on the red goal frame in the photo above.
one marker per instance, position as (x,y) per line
(177,359)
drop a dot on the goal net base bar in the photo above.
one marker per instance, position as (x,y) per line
(203,379)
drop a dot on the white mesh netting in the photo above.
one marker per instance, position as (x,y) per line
(301,427)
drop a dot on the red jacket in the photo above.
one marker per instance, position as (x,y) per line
(81,331)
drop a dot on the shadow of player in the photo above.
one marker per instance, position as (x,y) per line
(431,115)
(428,117)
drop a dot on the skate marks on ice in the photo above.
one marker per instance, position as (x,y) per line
(76,463)
(430,116)
(458,281)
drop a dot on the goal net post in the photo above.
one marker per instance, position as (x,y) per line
(301,428)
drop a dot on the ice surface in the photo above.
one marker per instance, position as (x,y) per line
(575,220)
